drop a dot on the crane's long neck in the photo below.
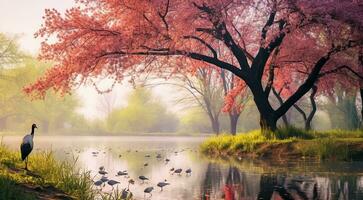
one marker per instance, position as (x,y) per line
(32,133)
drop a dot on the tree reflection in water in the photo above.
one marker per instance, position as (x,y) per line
(232,184)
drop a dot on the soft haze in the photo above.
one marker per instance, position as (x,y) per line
(23,18)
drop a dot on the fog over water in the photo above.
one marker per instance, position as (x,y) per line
(250,179)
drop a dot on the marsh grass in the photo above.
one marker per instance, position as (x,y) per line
(46,171)
(8,190)
(334,144)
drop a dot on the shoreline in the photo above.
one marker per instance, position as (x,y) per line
(314,145)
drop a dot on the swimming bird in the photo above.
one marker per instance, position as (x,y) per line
(158,156)
(98,183)
(172,169)
(104,179)
(122,173)
(146,164)
(102,172)
(27,146)
(177,171)
(162,184)
(188,172)
(112,182)
(148,190)
(143,178)
(167,160)
(102,168)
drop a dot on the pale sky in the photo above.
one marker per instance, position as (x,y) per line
(24,17)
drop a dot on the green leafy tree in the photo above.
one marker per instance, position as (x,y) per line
(142,114)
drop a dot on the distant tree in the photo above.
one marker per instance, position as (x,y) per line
(236,95)
(10,53)
(18,109)
(194,120)
(142,114)
(204,88)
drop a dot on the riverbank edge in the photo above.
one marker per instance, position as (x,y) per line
(46,179)
(254,145)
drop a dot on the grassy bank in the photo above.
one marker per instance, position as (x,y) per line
(48,178)
(289,143)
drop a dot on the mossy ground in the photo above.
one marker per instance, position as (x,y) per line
(289,143)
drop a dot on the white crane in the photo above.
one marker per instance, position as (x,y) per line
(27,146)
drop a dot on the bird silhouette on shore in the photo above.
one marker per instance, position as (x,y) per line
(27,145)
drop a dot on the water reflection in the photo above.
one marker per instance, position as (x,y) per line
(242,180)
(233,184)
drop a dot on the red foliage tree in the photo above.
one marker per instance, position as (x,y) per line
(114,38)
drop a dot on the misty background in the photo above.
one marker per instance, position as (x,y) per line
(157,108)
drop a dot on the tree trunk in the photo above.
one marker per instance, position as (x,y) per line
(215,125)
(268,119)
(361,110)
(233,118)
(279,99)
(313,107)
(267,124)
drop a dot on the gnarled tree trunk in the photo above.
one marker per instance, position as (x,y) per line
(313,108)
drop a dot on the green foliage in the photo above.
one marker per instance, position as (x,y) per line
(332,145)
(9,51)
(342,109)
(292,132)
(47,171)
(62,175)
(10,191)
(51,113)
(142,114)
(194,121)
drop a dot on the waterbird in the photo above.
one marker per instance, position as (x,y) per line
(131,181)
(147,156)
(146,164)
(162,184)
(158,156)
(26,146)
(148,190)
(172,169)
(177,171)
(104,179)
(188,172)
(102,172)
(98,183)
(125,193)
(122,173)
(101,168)
(143,178)
(167,159)
(112,182)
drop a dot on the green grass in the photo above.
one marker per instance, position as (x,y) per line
(9,190)
(60,174)
(334,144)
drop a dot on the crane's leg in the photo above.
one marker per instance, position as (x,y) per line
(26,164)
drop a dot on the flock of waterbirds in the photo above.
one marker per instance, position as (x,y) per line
(103,175)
